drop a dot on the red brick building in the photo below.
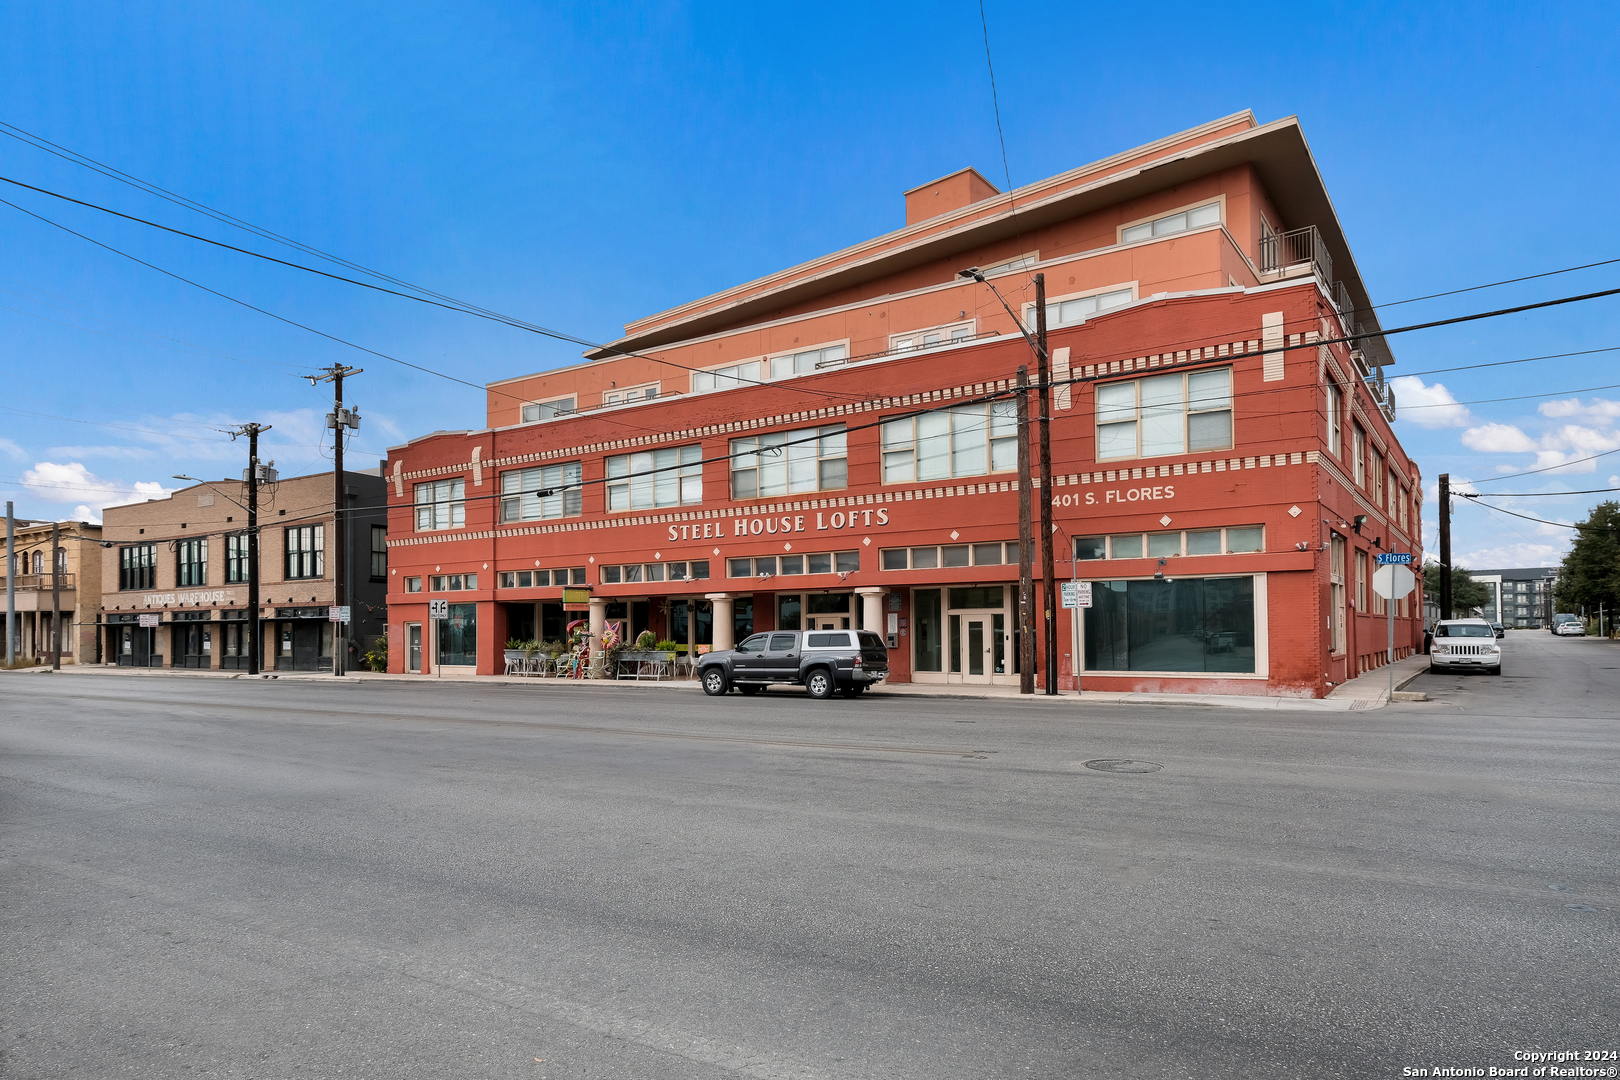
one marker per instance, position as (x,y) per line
(835,444)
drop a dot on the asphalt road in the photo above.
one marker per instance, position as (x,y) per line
(313,879)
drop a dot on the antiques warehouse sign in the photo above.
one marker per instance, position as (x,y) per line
(202,596)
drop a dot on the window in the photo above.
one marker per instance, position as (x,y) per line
(630,394)
(1375,477)
(1358,439)
(968,441)
(547,410)
(1334,398)
(1165,414)
(1185,625)
(821,562)
(725,378)
(452,582)
(379,553)
(193,563)
(950,555)
(136,566)
(1336,588)
(1361,581)
(439,505)
(653,478)
(927,339)
(787,462)
(807,361)
(1023,262)
(696,570)
(305,551)
(413,584)
(1078,310)
(1208,214)
(236,558)
(458,636)
(1230,541)
(539,579)
(547,491)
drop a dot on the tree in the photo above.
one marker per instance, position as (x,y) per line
(1466,593)
(1590,575)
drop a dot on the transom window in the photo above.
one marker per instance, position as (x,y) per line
(305,554)
(1208,214)
(1234,540)
(547,491)
(695,570)
(927,339)
(819,562)
(193,569)
(786,462)
(452,582)
(548,410)
(136,566)
(653,478)
(541,579)
(439,505)
(968,441)
(1165,414)
(807,361)
(1078,310)
(948,555)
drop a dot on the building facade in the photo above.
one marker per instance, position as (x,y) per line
(1521,597)
(836,445)
(77,592)
(174,575)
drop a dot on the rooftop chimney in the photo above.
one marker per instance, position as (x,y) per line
(961,188)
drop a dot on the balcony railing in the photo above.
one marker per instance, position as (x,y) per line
(37,581)
(1296,251)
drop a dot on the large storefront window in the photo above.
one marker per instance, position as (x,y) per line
(458,636)
(1186,625)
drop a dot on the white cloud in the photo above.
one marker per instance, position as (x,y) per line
(1496,438)
(1428,405)
(12,450)
(84,513)
(1507,556)
(73,483)
(1596,409)
(1614,481)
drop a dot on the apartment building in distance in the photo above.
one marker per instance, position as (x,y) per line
(1521,596)
(77,592)
(174,576)
(835,444)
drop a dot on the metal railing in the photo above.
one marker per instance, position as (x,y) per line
(1282,252)
(37,581)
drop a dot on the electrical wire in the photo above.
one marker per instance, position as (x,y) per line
(1549,468)
(1577,527)
(1530,494)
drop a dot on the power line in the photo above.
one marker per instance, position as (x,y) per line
(1505,363)
(1544,521)
(1531,494)
(995,99)
(1549,468)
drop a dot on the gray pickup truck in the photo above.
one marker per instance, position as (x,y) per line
(824,662)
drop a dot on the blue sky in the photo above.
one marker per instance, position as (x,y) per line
(580,166)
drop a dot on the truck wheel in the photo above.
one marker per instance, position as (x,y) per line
(820,684)
(714,681)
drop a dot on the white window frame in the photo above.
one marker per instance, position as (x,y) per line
(997,427)
(814,448)
(1180,548)
(1334,405)
(1055,305)
(728,376)
(806,361)
(933,337)
(629,395)
(1153,220)
(1012,266)
(549,409)
(448,512)
(643,480)
(1113,415)
(520,492)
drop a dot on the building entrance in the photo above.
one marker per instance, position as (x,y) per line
(964,634)
(413,648)
(135,647)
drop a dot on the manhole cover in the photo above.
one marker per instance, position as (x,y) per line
(1122,765)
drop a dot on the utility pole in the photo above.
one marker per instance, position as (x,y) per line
(338,419)
(255,647)
(56,596)
(11,586)
(1445,545)
(1048,572)
(1026,584)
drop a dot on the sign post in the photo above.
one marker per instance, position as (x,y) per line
(1393,579)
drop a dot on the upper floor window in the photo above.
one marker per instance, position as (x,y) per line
(439,505)
(971,440)
(236,558)
(452,582)
(1169,224)
(787,462)
(927,339)
(807,361)
(546,491)
(654,478)
(193,563)
(305,553)
(1165,414)
(1335,406)
(137,565)
(548,410)
(1023,262)
(1377,477)
(1078,310)
(379,553)
(629,394)
(724,378)
(1358,439)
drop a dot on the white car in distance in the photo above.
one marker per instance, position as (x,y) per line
(1465,643)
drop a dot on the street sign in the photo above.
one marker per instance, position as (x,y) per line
(1393,581)
(150,620)
(338,614)
(438,609)
(1077,594)
(1395,558)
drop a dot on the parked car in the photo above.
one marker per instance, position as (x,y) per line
(824,662)
(1465,643)
(1571,628)
(1563,618)
(1500,632)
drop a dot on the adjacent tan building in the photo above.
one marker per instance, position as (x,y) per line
(182,564)
(79,588)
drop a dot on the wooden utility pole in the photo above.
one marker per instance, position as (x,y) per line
(1445,545)
(1026,584)
(338,419)
(1048,571)
(255,647)
(56,596)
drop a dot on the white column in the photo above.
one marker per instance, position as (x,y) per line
(598,624)
(872,608)
(724,620)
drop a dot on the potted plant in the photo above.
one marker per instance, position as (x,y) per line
(514,650)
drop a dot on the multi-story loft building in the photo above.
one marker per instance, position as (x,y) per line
(1521,597)
(78,593)
(174,575)
(836,444)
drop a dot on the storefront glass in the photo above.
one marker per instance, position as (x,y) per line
(788,607)
(458,636)
(1186,625)
(927,632)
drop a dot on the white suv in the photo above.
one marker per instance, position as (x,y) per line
(1465,643)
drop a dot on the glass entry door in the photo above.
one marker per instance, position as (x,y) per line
(413,655)
(976,646)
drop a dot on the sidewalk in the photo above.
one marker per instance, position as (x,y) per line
(1370,691)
